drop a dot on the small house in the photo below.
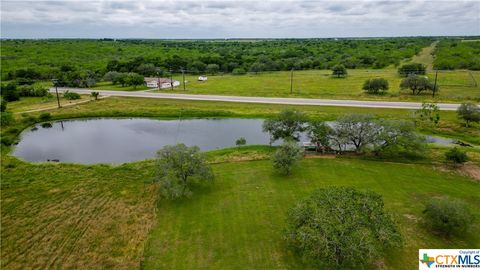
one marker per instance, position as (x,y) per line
(161,83)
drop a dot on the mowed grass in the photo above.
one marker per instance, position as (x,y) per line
(42,103)
(65,216)
(238,222)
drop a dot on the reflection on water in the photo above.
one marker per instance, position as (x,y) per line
(123,140)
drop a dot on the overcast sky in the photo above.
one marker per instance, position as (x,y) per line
(230,19)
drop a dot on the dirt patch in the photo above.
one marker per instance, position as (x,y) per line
(471,170)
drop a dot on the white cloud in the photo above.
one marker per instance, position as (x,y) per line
(218,19)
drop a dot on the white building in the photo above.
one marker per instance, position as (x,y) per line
(162,82)
(202,78)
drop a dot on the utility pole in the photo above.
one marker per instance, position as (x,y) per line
(171,79)
(291,81)
(183,75)
(55,83)
(435,84)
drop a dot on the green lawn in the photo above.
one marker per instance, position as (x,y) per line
(75,216)
(237,223)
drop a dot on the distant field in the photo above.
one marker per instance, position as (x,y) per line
(454,85)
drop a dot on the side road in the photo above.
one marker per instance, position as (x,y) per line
(266,100)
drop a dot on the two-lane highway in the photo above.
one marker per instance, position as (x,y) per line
(264,100)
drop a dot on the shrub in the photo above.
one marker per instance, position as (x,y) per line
(339,71)
(375,86)
(241,141)
(44,117)
(32,91)
(94,95)
(448,217)
(6,118)
(469,113)
(412,69)
(238,71)
(286,156)
(28,119)
(341,227)
(7,140)
(71,95)
(456,156)
(3,104)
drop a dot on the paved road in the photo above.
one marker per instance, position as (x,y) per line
(265,100)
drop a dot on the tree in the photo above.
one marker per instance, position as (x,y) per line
(9,92)
(456,156)
(147,69)
(177,165)
(428,113)
(469,113)
(112,76)
(359,130)
(339,71)
(375,86)
(398,138)
(94,95)
(286,156)
(212,68)
(418,84)
(412,69)
(341,227)
(448,217)
(287,124)
(135,80)
(123,79)
(320,134)
(241,141)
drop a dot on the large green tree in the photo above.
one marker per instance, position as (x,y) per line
(341,227)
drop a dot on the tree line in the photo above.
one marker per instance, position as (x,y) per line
(34,59)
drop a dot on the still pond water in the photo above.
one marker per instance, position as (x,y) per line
(123,140)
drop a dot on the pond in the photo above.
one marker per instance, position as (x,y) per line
(107,140)
(124,140)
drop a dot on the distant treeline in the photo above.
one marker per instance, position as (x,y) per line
(44,59)
(457,54)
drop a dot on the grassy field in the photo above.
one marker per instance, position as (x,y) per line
(100,216)
(237,223)
(455,86)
